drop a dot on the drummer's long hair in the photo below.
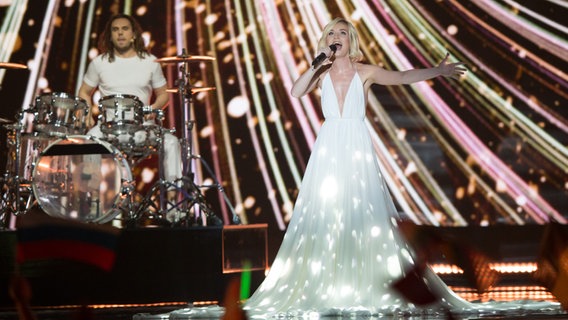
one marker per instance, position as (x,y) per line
(105,45)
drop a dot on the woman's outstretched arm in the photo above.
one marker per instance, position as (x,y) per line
(379,75)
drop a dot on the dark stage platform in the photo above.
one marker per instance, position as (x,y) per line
(161,269)
(153,265)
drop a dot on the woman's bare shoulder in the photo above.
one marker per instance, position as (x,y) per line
(366,71)
(372,74)
(365,67)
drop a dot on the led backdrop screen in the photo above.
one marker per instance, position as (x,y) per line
(489,148)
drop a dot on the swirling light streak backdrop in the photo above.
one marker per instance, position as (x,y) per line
(488,148)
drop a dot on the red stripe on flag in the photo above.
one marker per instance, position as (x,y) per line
(65,249)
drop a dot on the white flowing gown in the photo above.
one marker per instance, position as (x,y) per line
(342,252)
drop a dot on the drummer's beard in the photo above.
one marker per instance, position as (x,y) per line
(126,48)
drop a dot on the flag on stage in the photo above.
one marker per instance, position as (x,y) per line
(42,237)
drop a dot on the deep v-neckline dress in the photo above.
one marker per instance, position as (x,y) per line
(341,252)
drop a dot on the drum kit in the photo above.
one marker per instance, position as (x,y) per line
(71,174)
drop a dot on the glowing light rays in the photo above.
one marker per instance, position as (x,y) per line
(432,37)
(261,47)
(223,126)
(519,24)
(9,30)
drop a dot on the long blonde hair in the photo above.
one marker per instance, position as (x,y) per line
(355,53)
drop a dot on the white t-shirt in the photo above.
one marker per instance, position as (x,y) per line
(126,76)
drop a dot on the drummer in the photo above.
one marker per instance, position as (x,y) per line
(125,67)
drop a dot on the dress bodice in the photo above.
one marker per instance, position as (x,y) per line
(353,105)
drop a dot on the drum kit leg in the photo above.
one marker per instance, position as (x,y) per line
(78,176)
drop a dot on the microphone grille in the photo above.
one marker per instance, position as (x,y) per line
(333,47)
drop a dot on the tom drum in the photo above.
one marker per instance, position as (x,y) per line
(120,114)
(59,114)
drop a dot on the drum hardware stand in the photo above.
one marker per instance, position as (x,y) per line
(13,187)
(147,205)
(162,207)
(155,203)
(10,201)
(192,200)
(131,209)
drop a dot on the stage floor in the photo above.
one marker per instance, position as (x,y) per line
(162,313)
(159,270)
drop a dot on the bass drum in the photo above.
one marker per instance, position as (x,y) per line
(82,178)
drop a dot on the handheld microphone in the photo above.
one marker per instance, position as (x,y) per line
(319,59)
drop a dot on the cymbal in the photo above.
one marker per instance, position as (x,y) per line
(6,121)
(11,65)
(12,126)
(194,90)
(185,58)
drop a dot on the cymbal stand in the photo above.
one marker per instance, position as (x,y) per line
(12,201)
(192,193)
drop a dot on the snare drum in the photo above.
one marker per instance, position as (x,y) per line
(140,144)
(82,178)
(120,114)
(60,114)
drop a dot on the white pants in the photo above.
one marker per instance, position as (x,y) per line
(172,150)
